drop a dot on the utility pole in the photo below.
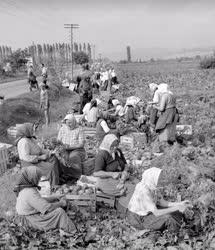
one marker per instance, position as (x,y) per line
(71,26)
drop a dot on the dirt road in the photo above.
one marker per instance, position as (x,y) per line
(13,89)
(16,88)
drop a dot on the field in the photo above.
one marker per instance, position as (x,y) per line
(192,159)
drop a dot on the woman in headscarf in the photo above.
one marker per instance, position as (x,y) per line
(36,212)
(155,100)
(142,209)
(166,123)
(30,153)
(73,139)
(91,113)
(130,109)
(110,164)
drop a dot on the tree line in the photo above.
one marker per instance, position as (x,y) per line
(39,52)
(5,52)
(46,53)
(58,50)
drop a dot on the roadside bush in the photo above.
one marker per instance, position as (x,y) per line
(208,63)
(81,57)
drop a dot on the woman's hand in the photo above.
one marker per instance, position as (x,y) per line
(43,157)
(183,206)
(115,175)
(186,202)
(63,202)
(120,186)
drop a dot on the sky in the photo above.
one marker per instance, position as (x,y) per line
(145,25)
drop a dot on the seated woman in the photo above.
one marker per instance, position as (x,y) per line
(102,127)
(72,137)
(90,112)
(110,164)
(30,153)
(118,108)
(143,212)
(37,212)
(166,123)
(130,115)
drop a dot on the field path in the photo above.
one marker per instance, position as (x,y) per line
(13,89)
(16,88)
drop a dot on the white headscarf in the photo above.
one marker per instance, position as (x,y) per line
(107,142)
(150,178)
(71,118)
(115,102)
(142,201)
(164,88)
(153,86)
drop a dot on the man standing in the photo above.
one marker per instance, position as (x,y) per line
(44,73)
(32,80)
(85,88)
(44,102)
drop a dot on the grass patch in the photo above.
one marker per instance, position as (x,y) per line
(7,197)
(25,108)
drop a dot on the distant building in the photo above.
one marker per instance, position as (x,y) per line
(128,54)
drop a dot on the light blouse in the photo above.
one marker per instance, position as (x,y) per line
(29,202)
(29,150)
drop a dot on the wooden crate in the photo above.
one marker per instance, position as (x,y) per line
(83,200)
(90,132)
(4,159)
(133,139)
(11,131)
(127,140)
(139,138)
(106,199)
(184,129)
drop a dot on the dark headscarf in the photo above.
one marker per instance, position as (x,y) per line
(30,177)
(93,103)
(103,115)
(24,131)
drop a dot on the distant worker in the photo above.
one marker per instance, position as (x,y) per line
(32,80)
(113,77)
(44,101)
(44,73)
(85,88)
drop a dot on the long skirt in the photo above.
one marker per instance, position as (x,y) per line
(49,221)
(166,125)
(109,186)
(167,134)
(84,99)
(74,163)
(153,117)
(172,221)
(49,168)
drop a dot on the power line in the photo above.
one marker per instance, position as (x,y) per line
(71,26)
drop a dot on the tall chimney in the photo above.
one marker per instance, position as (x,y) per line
(128,53)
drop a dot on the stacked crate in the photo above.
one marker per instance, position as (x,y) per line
(89,132)
(4,159)
(11,131)
(83,200)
